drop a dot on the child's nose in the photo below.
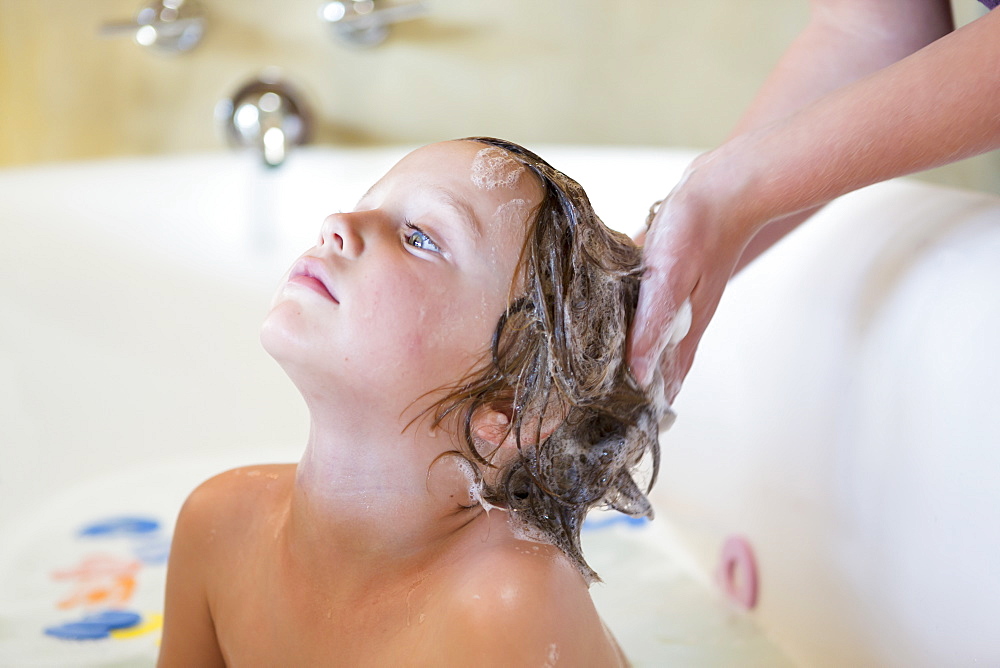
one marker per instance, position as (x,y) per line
(340,231)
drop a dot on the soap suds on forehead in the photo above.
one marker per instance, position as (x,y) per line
(494,168)
(511,209)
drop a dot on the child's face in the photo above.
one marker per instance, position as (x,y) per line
(401,296)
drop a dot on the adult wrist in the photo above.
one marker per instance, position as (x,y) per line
(716,188)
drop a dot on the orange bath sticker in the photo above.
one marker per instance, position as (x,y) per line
(99,579)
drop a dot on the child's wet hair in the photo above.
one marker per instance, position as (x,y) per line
(558,359)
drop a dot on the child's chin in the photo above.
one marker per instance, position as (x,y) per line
(278,336)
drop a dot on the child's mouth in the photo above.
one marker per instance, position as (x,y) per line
(307,274)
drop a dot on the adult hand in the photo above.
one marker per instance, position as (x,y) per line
(690,253)
(837,115)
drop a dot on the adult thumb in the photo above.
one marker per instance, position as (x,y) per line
(654,317)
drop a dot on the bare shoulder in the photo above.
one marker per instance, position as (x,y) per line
(216,515)
(253,479)
(240,490)
(525,603)
(233,503)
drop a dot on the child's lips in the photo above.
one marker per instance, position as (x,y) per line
(309,272)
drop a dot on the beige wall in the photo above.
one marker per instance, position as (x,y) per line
(659,72)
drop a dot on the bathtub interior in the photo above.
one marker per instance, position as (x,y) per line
(840,414)
(131,293)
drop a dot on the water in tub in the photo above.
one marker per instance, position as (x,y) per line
(102,545)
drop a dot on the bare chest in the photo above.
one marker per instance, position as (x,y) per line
(268,618)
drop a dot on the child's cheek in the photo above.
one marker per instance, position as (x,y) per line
(442,328)
(404,313)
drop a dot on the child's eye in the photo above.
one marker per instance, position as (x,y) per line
(419,239)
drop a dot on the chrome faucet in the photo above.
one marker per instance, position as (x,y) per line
(366,22)
(169,26)
(266,114)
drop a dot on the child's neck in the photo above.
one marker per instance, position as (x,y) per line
(369,494)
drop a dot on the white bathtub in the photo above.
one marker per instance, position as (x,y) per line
(839,414)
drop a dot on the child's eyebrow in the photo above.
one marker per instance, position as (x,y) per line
(449,199)
(462,207)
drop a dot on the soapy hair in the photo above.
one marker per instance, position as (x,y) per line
(557,368)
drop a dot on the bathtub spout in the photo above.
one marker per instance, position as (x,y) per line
(274,146)
(266,115)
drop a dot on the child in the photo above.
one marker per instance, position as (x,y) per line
(459,340)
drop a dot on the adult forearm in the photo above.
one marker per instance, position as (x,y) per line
(841,43)
(847,106)
(938,105)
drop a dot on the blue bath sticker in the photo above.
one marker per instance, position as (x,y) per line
(96,626)
(121,526)
(78,631)
(611,519)
(152,552)
(114,619)
(149,544)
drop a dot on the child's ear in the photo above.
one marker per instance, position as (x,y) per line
(492,426)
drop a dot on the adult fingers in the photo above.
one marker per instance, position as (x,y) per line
(679,354)
(654,318)
(674,366)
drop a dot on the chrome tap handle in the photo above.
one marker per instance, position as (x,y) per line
(366,22)
(172,26)
(266,115)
